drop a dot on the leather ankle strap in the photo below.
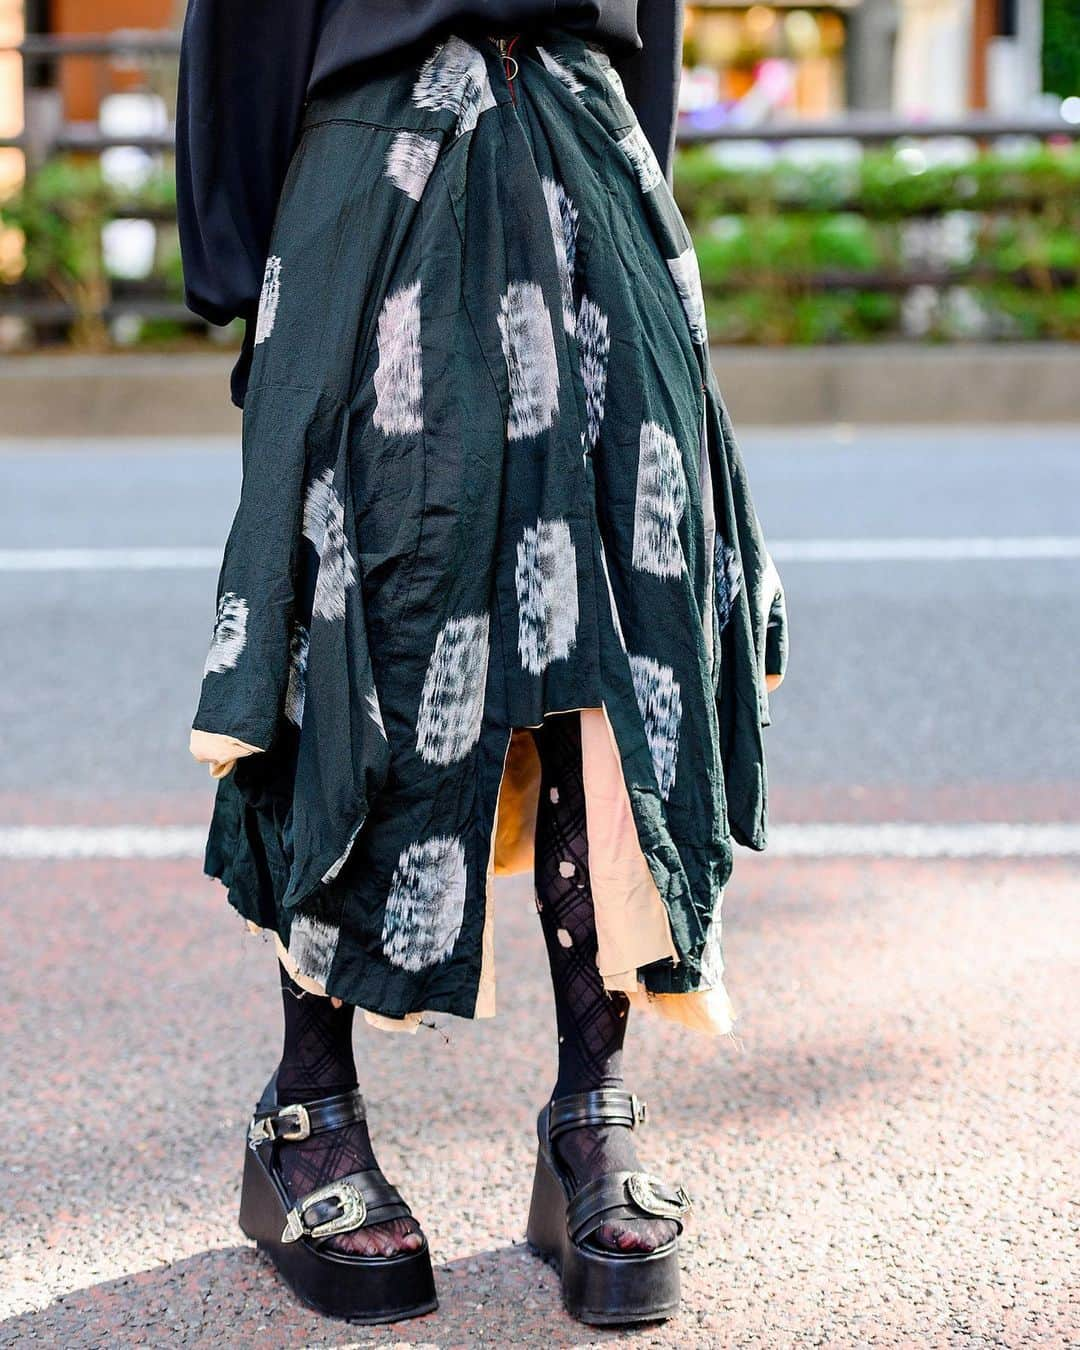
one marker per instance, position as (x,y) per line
(627,1196)
(297,1121)
(602,1106)
(354,1201)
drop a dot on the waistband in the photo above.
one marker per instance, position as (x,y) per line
(385,95)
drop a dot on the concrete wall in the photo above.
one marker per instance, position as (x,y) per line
(172,395)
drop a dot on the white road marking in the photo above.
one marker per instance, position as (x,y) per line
(1032,548)
(46,843)
(973,549)
(107,559)
(892,840)
(58,842)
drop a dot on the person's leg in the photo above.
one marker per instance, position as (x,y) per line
(317,1061)
(591,1022)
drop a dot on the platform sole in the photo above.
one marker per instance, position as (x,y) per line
(367,1289)
(597,1289)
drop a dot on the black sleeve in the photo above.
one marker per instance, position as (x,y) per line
(244,67)
(651,75)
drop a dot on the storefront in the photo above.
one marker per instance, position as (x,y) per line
(11,92)
(751,62)
(85,80)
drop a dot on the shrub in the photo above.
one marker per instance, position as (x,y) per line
(987,244)
(61,211)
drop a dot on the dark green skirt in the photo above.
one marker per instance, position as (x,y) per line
(487,477)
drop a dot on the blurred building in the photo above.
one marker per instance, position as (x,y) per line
(747,61)
(957,55)
(763,57)
(11,90)
(750,60)
(83,81)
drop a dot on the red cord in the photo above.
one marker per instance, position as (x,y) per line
(506,64)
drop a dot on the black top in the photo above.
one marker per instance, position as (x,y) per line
(247,66)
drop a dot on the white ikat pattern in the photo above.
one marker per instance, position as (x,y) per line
(616,621)
(454,79)
(563,215)
(546,583)
(399,378)
(601,59)
(712,957)
(426,903)
(324,525)
(708,522)
(268,299)
(659,700)
(452,701)
(687,276)
(640,154)
(409,162)
(313,945)
(659,504)
(371,703)
(296,689)
(562,73)
(532,366)
(230,635)
(594,345)
(334,870)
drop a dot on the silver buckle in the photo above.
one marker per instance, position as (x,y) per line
(643,1192)
(302,1128)
(353,1213)
(265,1130)
(260,1132)
(638,1108)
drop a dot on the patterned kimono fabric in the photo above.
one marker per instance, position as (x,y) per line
(487,477)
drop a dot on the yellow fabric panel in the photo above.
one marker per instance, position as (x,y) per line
(519,792)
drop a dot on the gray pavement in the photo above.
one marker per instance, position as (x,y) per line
(914,675)
(885,1155)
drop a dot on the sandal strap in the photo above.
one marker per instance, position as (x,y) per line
(301,1120)
(358,1200)
(602,1106)
(624,1195)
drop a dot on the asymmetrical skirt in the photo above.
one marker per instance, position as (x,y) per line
(487,478)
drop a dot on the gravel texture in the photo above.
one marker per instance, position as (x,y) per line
(884,1157)
(886,1154)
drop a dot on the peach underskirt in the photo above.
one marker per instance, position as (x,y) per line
(631,922)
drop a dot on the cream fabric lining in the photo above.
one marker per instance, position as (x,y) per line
(632,925)
(220,752)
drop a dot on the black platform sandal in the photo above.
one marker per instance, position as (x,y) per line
(599,1286)
(339,1284)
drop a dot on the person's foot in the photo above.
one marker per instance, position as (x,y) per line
(317,1062)
(588,1152)
(309,1163)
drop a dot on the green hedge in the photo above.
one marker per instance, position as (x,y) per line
(1061,47)
(61,211)
(885,245)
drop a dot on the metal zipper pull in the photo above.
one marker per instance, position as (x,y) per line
(510,64)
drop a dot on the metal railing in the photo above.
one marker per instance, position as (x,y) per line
(880,129)
(866,128)
(47,134)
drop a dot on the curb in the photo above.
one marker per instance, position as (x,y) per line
(896,383)
(166,394)
(187,394)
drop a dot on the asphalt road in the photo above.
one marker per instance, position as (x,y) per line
(908,676)
(887,1154)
